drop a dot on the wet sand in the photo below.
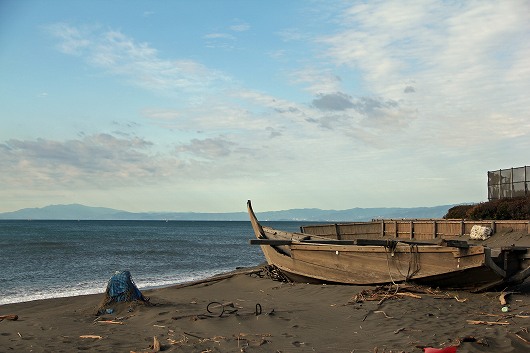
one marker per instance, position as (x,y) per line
(291,318)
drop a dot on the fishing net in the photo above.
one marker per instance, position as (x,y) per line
(274,273)
(121,288)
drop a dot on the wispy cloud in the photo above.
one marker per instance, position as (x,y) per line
(240,27)
(43,162)
(137,62)
(210,148)
(461,57)
(317,80)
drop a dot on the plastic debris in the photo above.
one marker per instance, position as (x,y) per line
(451,349)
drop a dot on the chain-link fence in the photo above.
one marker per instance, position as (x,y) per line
(508,183)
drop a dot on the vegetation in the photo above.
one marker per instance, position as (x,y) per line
(517,208)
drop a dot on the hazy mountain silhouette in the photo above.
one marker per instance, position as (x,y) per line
(78,212)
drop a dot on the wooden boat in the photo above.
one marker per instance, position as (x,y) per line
(369,260)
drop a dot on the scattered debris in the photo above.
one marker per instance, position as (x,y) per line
(386,292)
(156,344)
(217,309)
(521,338)
(450,349)
(110,322)
(272,272)
(502,297)
(491,323)
(382,312)
(482,342)
(10,317)
(91,336)
(154,348)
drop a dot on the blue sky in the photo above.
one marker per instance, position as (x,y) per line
(201,105)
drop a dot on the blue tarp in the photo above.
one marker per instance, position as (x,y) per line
(121,288)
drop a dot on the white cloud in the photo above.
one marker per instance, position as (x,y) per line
(73,40)
(467,61)
(240,27)
(317,81)
(219,36)
(137,62)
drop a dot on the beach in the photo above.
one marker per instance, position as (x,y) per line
(247,311)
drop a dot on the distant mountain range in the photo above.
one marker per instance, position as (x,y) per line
(81,212)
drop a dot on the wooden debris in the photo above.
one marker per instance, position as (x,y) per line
(192,335)
(111,322)
(408,295)
(382,312)
(183,340)
(478,322)
(383,293)
(521,338)
(11,317)
(91,336)
(502,297)
(399,330)
(156,344)
(506,316)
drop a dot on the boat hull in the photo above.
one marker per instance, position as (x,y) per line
(363,265)
(302,258)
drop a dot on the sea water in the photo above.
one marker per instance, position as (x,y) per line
(42,259)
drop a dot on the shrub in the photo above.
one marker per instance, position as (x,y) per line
(517,208)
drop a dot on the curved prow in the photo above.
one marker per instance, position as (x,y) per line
(260,234)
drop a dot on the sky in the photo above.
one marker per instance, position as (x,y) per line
(200,105)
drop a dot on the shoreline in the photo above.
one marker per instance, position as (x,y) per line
(101,288)
(293,318)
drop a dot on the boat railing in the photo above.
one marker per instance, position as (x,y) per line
(421,229)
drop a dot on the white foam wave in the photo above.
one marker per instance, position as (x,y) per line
(87,288)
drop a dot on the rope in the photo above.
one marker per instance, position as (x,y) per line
(413,264)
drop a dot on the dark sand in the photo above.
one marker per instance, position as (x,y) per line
(294,318)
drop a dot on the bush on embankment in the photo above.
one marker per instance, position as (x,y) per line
(517,208)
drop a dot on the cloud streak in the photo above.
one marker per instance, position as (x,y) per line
(461,58)
(43,162)
(139,63)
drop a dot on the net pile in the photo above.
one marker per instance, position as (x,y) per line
(121,288)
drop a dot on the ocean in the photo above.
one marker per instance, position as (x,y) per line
(42,259)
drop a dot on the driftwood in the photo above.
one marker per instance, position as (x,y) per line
(521,338)
(408,295)
(11,317)
(156,344)
(385,292)
(478,322)
(91,336)
(505,315)
(111,322)
(502,297)
(155,347)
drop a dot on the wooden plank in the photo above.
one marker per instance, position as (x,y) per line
(462,244)
(330,241)
(273,242)
(400,248)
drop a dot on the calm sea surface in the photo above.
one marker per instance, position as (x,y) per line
(48,259)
